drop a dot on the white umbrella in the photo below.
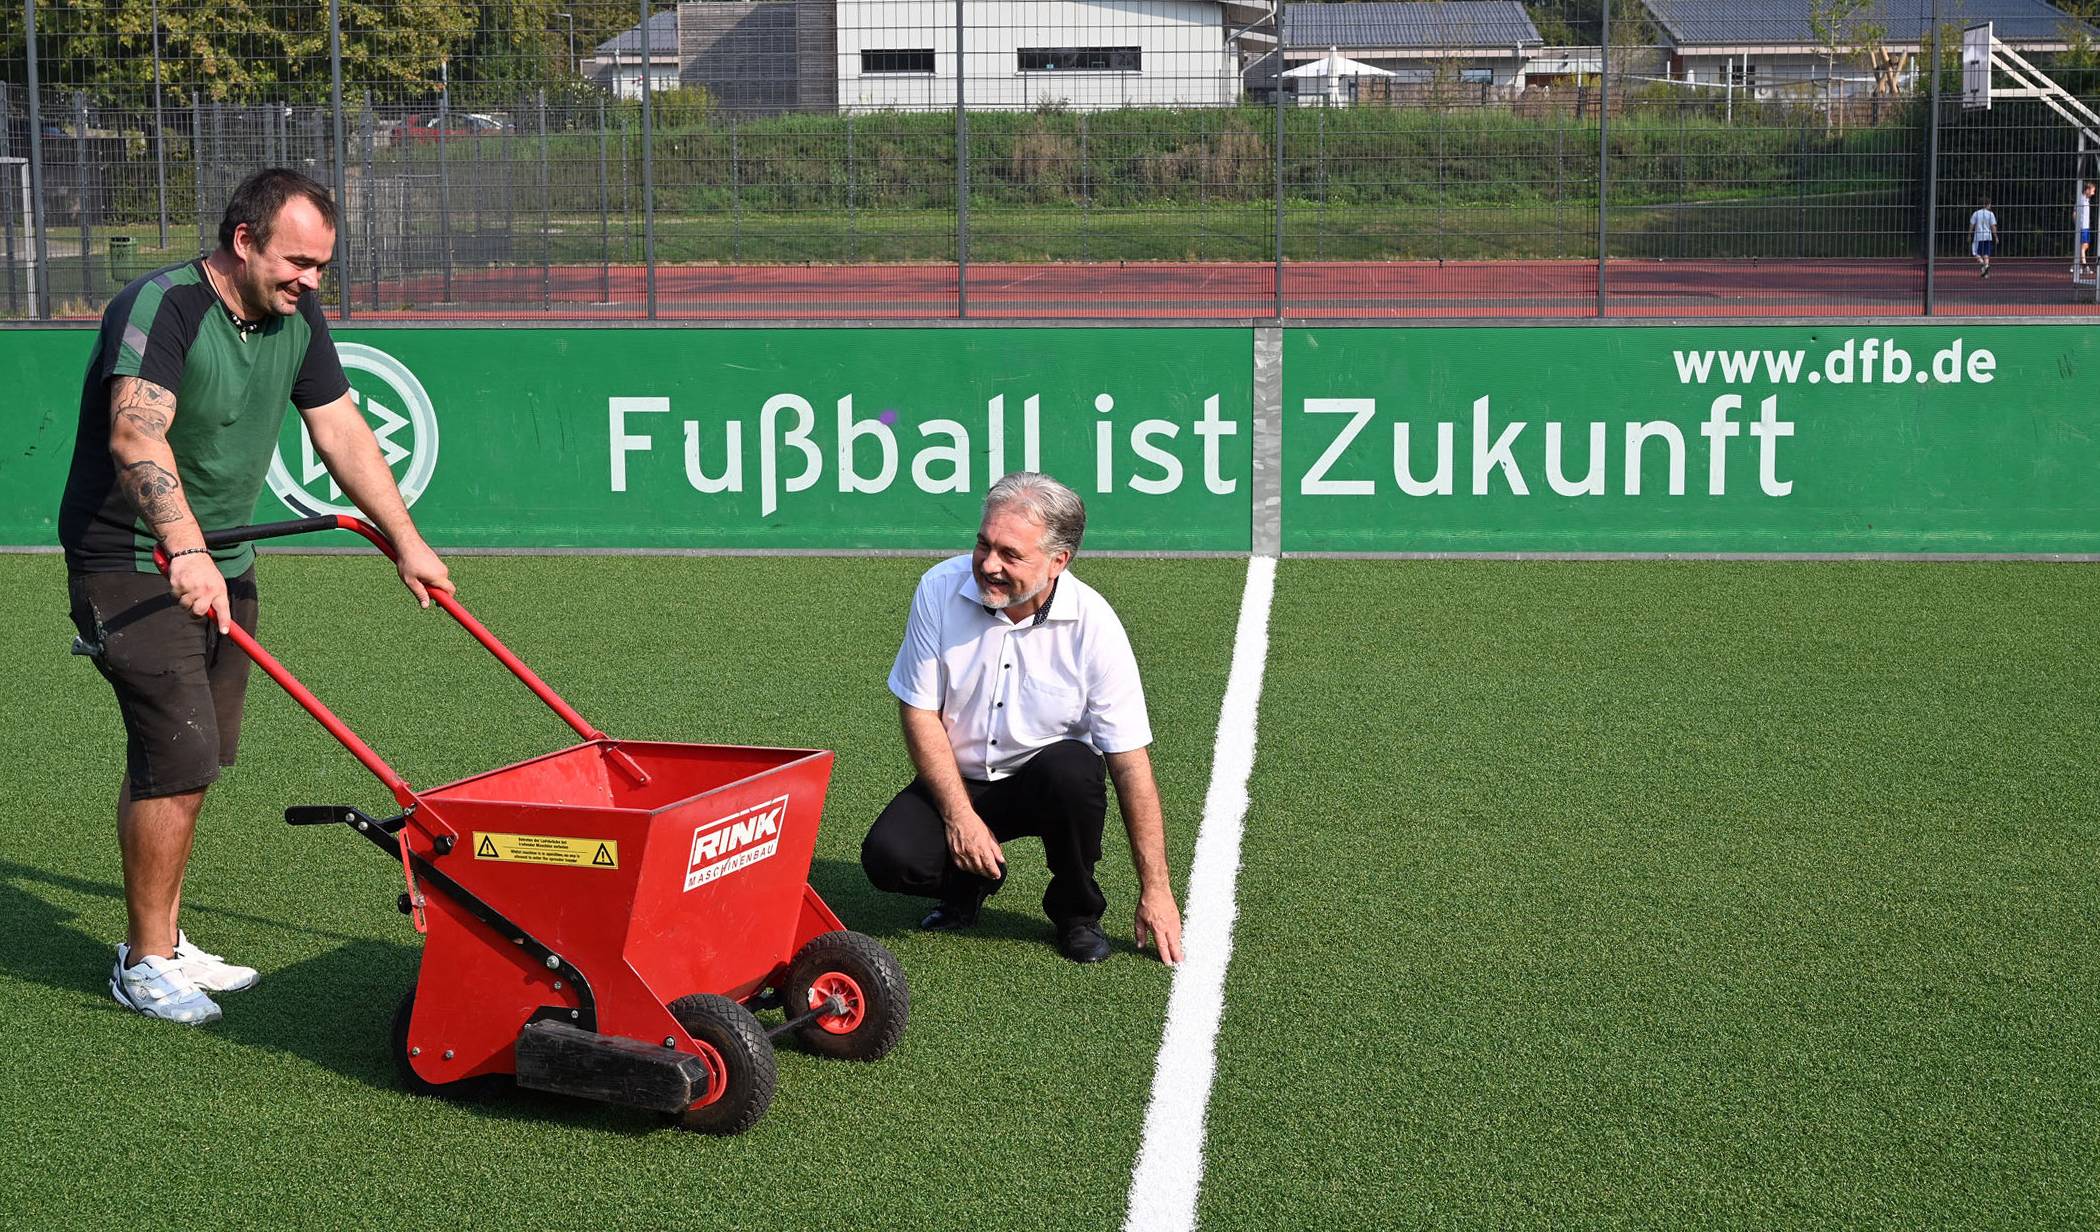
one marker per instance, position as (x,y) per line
(1335,64)
(1329,70)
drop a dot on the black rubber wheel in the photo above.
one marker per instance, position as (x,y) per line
(732,1031)
(466,1090)
(867,977)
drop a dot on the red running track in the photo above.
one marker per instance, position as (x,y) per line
(1311,290)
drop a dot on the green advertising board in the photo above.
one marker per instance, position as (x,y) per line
(1549,440)
(1849,438)
(737,439)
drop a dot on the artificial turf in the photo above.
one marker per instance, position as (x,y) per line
(1669,895)
(1581,894)
(1014,1101)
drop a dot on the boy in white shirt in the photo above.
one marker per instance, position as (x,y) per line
(1983,236)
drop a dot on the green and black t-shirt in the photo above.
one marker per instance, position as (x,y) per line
(231,393)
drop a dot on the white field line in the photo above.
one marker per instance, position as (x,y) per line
(1169,1171)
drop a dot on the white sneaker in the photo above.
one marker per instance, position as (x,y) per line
(159,988)
(209,971)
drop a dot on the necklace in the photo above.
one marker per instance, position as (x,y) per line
(242,327)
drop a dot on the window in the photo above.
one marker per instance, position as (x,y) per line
(1742,74)
(919,60)
(1082,60)
(1477,76)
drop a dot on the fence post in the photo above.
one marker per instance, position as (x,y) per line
(736,196)
(1560,178)
(336,155)
(1086,196)
(1604,163)
(218,157)
(962,177)
(604,214)
(546,215)
(444,176)
(160,134)
(1281,64)
(852,220)
(371,215)
(649,166)
(41,295)
(197,166)
(80,193)
(1801,197)
(507,141)
(10,201)
(1932,169)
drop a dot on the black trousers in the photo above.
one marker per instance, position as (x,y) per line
(1059,797)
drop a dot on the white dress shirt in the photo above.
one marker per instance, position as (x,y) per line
(1006,690)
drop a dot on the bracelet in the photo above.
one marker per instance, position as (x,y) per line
(185,552)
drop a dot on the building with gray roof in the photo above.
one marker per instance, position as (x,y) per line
(1411,41)
(1764,44)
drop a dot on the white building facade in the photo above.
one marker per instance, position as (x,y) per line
(1086,55)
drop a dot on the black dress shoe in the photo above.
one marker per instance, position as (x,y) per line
(950,916)
(1083,942)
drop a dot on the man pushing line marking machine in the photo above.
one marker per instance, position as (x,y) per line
(603,920)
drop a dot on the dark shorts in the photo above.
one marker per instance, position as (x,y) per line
(178,682)
(1982,248)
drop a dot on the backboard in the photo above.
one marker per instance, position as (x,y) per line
(1976,67)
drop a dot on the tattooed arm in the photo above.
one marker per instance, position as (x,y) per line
(139,415)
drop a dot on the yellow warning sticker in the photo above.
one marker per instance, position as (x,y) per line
(547,849)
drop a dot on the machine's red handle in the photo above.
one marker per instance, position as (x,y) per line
(301,694)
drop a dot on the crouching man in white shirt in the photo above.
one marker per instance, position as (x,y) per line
(1016,684)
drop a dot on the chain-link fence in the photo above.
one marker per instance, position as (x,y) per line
(1164,159)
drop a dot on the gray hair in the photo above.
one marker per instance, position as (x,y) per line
(1036,495)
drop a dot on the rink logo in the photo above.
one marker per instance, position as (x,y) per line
(739,840)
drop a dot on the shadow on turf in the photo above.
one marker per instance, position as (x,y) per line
(1014,914)
(332,1010)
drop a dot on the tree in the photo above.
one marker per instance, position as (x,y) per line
(1843,32)
(236,51)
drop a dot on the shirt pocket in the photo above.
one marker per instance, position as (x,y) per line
(1047,711)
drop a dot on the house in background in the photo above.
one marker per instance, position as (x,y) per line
(754,57)
(769,56)
(1414,44)
(1768,45)
(1087,55)
(616,63)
